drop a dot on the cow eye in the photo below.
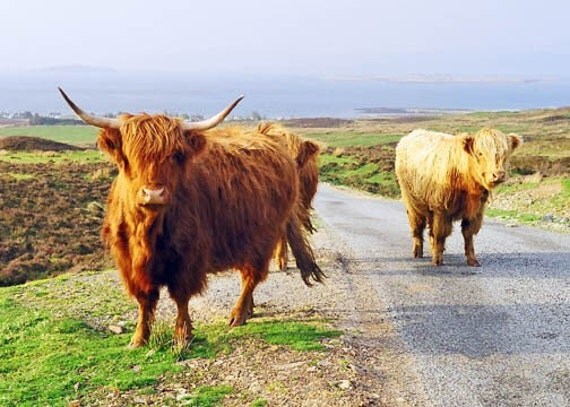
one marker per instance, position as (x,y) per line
(179,157)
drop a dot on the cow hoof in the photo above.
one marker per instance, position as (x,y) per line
(437,262)
(181,343)
(282,265)
(239,321)
(418,252)
(137,343)
(473,263)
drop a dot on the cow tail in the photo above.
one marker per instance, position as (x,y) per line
(302,251)
(306,221)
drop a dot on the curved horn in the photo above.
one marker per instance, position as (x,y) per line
(212,121)
(102,122)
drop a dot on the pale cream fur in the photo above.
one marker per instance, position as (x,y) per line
(445,177)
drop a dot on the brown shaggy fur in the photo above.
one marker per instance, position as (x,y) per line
(305,152)
(444,178)
(230,196)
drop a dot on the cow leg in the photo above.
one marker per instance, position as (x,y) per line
(281,256)
(418,225)
(184,283)
(430,233)
(183,326)
(147,306)
(243,308)
(469,228)
(441,227)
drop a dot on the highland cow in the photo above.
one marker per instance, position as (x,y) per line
(305,153)
(444,178)
(189,201)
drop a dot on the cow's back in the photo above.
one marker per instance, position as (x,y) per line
(429,167)
(242,200)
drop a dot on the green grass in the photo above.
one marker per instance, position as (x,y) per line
(551,198)
(207,396)
(346,170)
(55,345)
(510,188)
(26,157)
(512,215)
(351,139)
(331,159)
(77,135)
(46,360)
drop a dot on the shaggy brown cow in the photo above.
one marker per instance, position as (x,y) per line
(305,153)
(188,202)
(445,178)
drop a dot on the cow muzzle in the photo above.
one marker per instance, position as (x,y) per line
(153,196)
(499,176)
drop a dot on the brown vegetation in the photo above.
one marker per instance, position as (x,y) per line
(50,217)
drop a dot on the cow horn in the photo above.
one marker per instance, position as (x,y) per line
(103,122)
(212,121)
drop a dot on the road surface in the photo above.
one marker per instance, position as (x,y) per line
(498,335)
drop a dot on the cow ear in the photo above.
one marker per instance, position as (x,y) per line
(468,144)
(515,141)
(196,142)
(307,150)
(109,140)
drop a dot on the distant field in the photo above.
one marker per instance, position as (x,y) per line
(353,138)
(76,135)
(49,157)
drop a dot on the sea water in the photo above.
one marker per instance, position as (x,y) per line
(271,96)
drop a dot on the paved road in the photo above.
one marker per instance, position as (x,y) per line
(490,336)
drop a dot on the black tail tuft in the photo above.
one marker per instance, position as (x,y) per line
(303,252)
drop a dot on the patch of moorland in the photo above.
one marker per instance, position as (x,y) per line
(50,217)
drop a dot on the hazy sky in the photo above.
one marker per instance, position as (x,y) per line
(326,38)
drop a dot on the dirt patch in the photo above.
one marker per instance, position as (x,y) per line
(28,143)
(50,219)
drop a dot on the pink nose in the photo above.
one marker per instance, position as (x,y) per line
(499,176)
(153,196)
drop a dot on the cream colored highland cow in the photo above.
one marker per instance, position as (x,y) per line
(445,178)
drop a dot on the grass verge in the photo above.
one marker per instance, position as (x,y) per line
(55,346)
